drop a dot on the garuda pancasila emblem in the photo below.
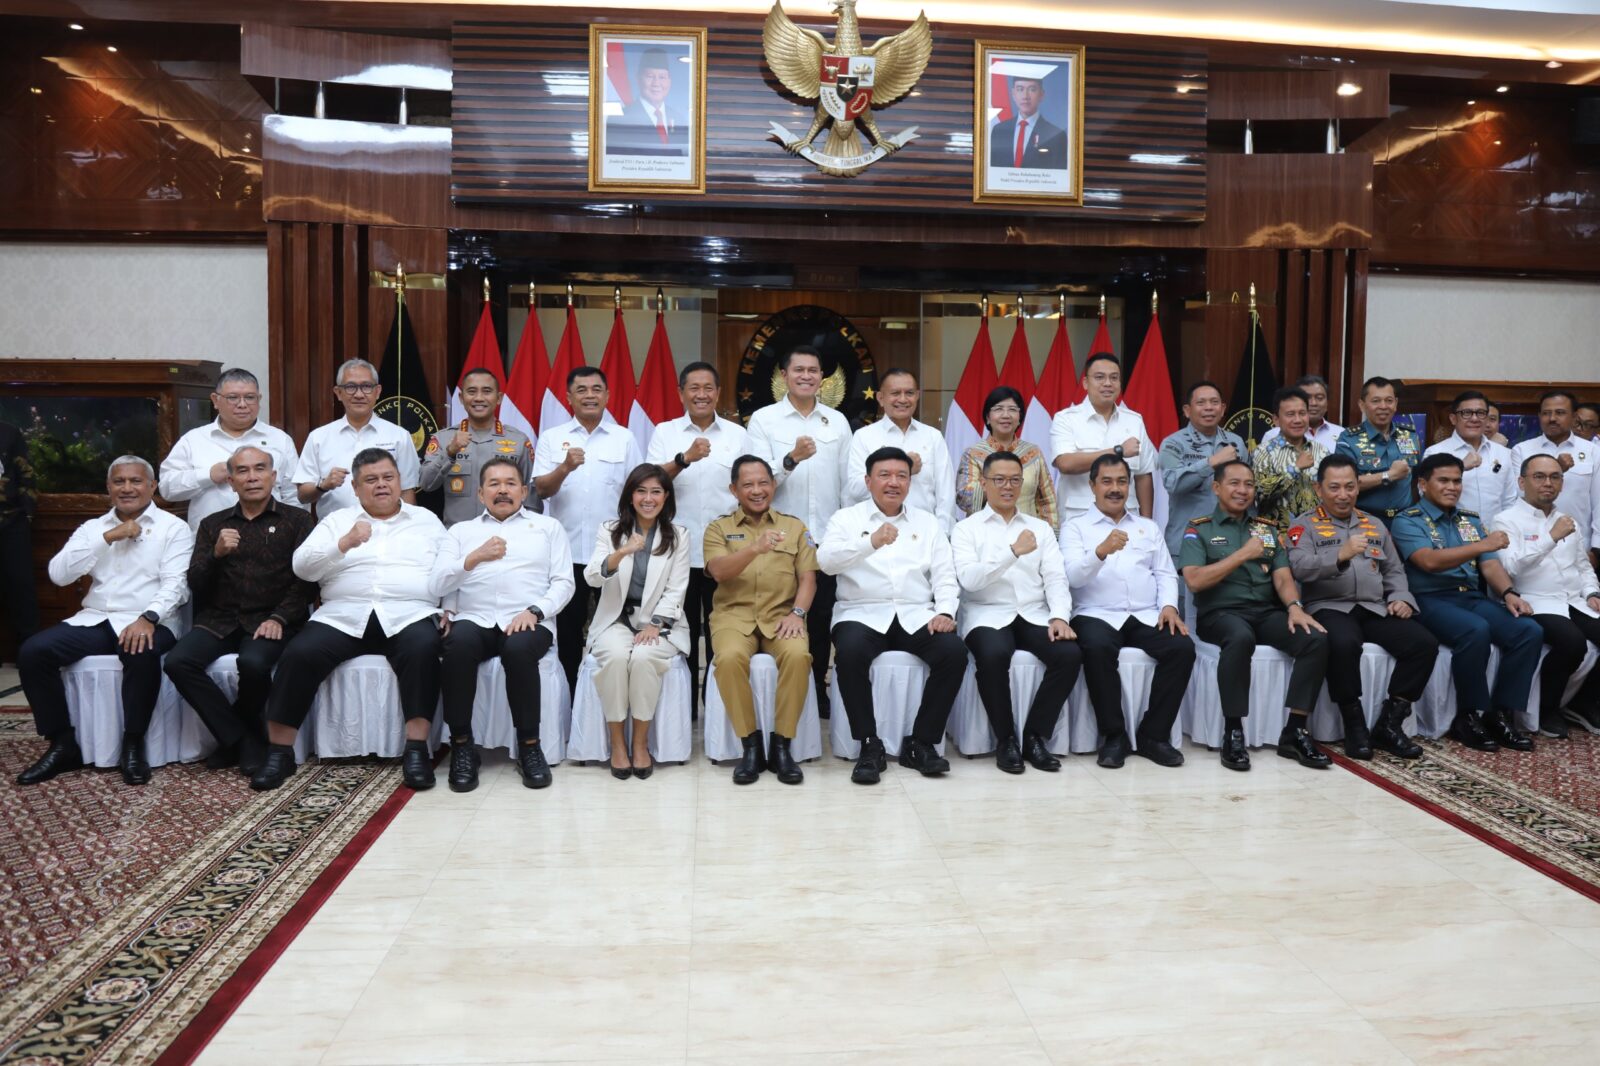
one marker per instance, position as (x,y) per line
(847,81)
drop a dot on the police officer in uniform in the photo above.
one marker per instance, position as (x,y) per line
(1238,571)
(1354,583)
(1448,556)
(454,456)
(1384,453)
(764,564)
(1189,456)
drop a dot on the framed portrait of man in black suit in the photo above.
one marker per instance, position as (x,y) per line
(647,109)
(1027,133)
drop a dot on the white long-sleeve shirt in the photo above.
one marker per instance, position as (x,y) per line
(997,586)
(702,490)
(186,471)
(337,444)
(1551,575)
(1491,486)
(814,489)
(933,487)
(536,570)
(144,573)
(590,493)
(388,575)
(1080,428)
(1580,493)
(912,579)
(1139,580)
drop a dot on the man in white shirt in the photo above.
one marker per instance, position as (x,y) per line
(1014,597)
(897,592)
(1490,482)
(933,482)
(1547,562)
(136,557)
(196,469)
(807,444)
(1098,426)
(502,576)
(1580,465)
(578,470)
(698,450)
(372,562)
(1125,591)
(323,475)
(1318,428)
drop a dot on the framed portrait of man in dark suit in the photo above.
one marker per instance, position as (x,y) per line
(1028,124)
(647,109)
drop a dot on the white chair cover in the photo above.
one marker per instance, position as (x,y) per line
(1436,709)
(1377,667)
(492,726)
(671,731)
(897,681)
(1269,684)
(357,711)
(1529,718)
(721,741)
(94,703)
(224,670)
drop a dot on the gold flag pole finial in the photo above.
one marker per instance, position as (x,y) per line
(1252,297)
(1019,305)
(983,301)
(532,287)
(1102,305)
(569,294)
(661,301)
(616,297)
(486,288)
(1061,301)
(1154,299)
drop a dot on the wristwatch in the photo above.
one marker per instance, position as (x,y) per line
(152,617)
(682,463)
(538,615)
(1117,451)
(789,463)
(1512,591)
(801,611)
(1385,477)
(1297,603)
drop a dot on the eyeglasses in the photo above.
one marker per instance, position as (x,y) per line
(1545,477)
(1005,409)
(358,388)
(1005,482)
(1474,413)
(242,400)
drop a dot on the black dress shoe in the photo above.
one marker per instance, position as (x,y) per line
(1553,725)
(921,756)
(1037,752)
(225,756)
(1357,740)
(1234,755)
(1389,735)
(1295,743)
(1502,726)
(1158,750)
(276,768)
(134,766)
(416,766)
(1115,751)
(751,760)
(464,762)
(780,760)
(252,753)
(1009,757)
(643,772)
(871,763)
(532,766)
(61,756)
(1468,729)
(622,773)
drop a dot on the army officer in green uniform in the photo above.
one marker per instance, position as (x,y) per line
(454,455)
(1237,569)
(1384,453)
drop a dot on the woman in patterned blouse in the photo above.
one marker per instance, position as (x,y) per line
(1002,417)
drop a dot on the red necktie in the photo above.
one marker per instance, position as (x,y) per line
(661,127)
(1022,140)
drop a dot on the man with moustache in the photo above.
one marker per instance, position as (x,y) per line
(1015,596)
(196,470)
(372,562)
(1100,425)
(1580,465)
(1125,595)
(1238,570)
(454,457)
(1384,453)
(247,602)
(502,577)
(1354,583)
(1448,559)
(1189,456)
(897,592)
(1286,468)
(1318,428)
(1545,558)
(764,565)
(323,474)
(1489,485)
(933,483)
(134,556)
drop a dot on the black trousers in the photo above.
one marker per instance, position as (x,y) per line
(1174,656)
(42,656)
(857,645)
(186,665)
(697,616)
(1566,637)
(1413,647)
(17,578)
(318,649)
(819,628)
(470,644)
(571,623)
(991,652)
(1237,631)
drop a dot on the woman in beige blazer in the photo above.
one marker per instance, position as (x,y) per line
(641,567)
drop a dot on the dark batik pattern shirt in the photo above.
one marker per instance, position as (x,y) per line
(256,580)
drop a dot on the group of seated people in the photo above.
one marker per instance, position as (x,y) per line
(714,538)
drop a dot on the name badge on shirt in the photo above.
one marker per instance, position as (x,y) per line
(735,536)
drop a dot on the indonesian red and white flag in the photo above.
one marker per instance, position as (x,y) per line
(483,355)
(658,400)
(617,365)
(1149,394)
(1017,372)
(1059,388)
(530,373)
(569,356)
(963,423)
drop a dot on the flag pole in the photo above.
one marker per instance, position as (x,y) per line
(400,325)
(1254,318)
(486,288)
(661,302)
(1062,300)
(616,297)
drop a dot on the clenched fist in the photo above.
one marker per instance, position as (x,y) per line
(461,440)
(1025,543)
(227,542)
(804,448)
(887,534)
(1352,547)
(335,478)
(697,450)
(1399,469)
(127,529)
(1496,541)
(219,473)
(1565,460)
(916,463)
(1254,548)
(767,541)
(574,458)
(1563,528)
(1115,541)
(487,552)
(634,545)
(1226,454)
(1305,459)
(1130,447)
(1472,461)
(359,534)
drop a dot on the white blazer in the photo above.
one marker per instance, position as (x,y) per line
(665,583)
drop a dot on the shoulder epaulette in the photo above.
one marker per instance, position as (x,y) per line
(1202,520)
(1414,512)
(1469,514)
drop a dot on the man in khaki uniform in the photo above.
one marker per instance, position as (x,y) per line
(455,454)
(765,565)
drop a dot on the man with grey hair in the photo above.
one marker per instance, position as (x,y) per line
(323,474)
(135,556)
(196,469)
(1318,428)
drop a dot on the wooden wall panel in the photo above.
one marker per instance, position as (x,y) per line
(271,51)
(1281,95)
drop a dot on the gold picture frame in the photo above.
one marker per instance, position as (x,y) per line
(644,135)
(1057,124)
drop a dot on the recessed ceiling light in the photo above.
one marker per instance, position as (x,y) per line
(1348,88)
(1502,88)
(35,90)
(1554,64)
(1496,142)
(1471,102)
(111,48)
(74,25)
(1185,88)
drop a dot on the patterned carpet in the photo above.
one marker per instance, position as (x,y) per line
(133,920)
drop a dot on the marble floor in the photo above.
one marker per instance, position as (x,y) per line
(1142,915)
